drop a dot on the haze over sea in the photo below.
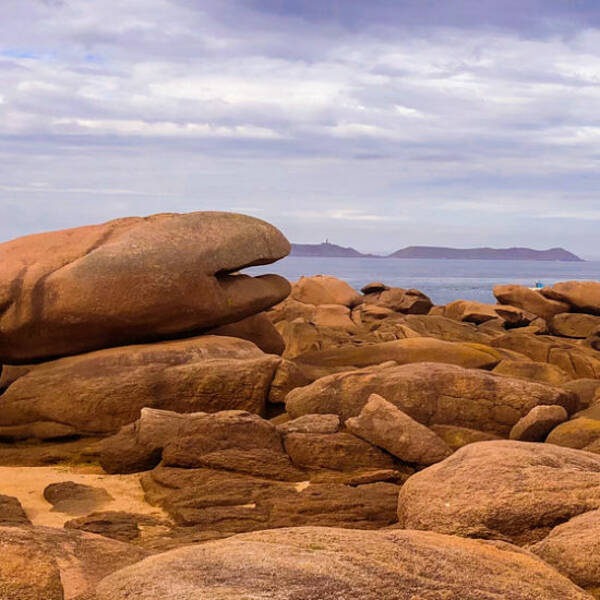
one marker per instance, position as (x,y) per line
(442,280)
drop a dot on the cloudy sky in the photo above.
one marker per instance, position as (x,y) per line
(375,124)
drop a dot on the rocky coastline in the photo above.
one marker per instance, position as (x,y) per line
(172,429)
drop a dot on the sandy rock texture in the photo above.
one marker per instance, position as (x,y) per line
(331,564)
(506,490)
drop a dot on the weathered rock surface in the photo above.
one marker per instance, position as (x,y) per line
(529,300)
(384,425)
(430,393)
(231,440)
(457,437)
(409,302)
(324,289)
(537,423)
(581,296)
(311,424)
(221,503)
(478,313)
(574,325)
(533,371)
(573,549)
(235,440)
(336,451)
(10,373)
(446,329)
(287,377)
(333,564)
(335,316)
(410,350)
(11,512)
(76,498)
(41,563)
(103,390)
(70,291)
(119,525)
(577,361)
(577,433)
(257,329)
(585,389)
(514,491)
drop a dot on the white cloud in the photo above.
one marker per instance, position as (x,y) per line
(196,106)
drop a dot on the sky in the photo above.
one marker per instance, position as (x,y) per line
(376,125)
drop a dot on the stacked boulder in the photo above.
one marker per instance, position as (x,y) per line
(106,319)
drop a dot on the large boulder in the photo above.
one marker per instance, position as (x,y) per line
(529,300)
(405,351)
(470,311)
(430,393)
(42,563)
(334,564)
(386,426)
(133,280)
(324,289)
(514,491)
(100,391)
(409,302)
(574,325)
(573,549)
(581,296)
(577,361)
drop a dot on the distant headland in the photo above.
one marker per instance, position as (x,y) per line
(328,249)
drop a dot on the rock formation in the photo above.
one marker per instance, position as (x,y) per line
(212,437)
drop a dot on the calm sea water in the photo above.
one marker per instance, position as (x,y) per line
(442,280)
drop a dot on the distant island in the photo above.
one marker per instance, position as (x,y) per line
(327,249)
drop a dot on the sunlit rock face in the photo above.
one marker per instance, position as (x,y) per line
(133,280)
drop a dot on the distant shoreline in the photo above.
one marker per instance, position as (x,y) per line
(328,250)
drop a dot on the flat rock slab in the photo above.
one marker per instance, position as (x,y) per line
(221,503)
(515,491)
(407,351)
(67,292)
(100,391)
(312,563)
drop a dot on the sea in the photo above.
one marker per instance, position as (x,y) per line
(442,280)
